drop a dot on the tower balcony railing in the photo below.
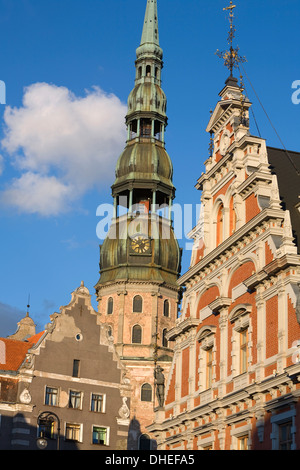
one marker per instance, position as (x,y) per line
(144,139)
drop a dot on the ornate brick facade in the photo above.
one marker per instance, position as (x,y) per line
(234,382)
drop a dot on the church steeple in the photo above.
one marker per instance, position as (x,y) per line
(144,171)
(138,293)
(150,30)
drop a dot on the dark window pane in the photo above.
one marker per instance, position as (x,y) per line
(110,306)
(76,364)
(137,334)
(137,304)
(146,393)
(166,308)
(164,339)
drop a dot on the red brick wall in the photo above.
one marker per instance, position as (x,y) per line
(268,254)
(171,392)
(293,325)
(185,372)
(209,296)
(242,273)
(252,208)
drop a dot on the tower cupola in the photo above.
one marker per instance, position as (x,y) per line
(144,171)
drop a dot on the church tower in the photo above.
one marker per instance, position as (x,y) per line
(140,259)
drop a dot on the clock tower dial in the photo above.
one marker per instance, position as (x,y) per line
(141,245)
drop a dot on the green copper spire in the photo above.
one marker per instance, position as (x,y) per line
(144,179)
(150,31)
(149,46)
(144,170)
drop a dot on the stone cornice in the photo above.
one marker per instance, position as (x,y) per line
(251,182)
(235,145)
(229,242)
(182,328)
(249,392)
(271,269)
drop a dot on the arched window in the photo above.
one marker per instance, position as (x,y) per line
(148,70)
(110,306)
(166,308)
(146,392)
(164,339)
(140,72)
(145,442)
(137,304)
(137,334)
(220,225)
(232,217)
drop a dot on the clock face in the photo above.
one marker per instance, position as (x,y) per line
(141,245)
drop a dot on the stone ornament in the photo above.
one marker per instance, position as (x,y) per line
(25,397)
(124,410)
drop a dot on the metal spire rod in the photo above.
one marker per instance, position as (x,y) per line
(231,57)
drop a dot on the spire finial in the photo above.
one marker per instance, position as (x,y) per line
(150,29)
(28,306)
(231,57)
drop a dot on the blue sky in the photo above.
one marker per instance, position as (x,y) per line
(68,66)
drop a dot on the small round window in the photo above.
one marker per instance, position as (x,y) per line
(79,337)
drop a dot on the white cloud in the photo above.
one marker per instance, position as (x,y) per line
(35,193)
(62,145)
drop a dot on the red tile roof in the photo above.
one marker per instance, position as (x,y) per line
(13,352)
(35,339)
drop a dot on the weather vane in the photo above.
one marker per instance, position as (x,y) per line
(231,58)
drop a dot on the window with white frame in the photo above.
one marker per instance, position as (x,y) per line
(209,367)
(98,402)
(75,400)
(241,357)
(100,435)
(206,338)
(243,442)
(284,430)
(241,437)
(51,396)
(244,351)
(285,436)
(73,432)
